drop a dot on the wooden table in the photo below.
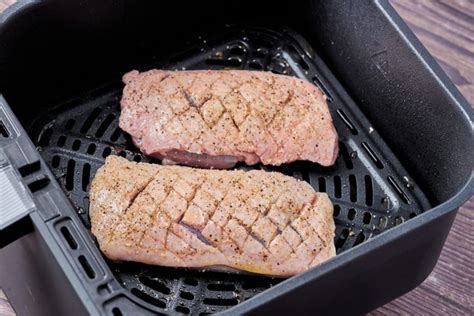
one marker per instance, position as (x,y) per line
(446,28)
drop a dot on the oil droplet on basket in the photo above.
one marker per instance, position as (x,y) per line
(385,202)
(354,154)
(408,182)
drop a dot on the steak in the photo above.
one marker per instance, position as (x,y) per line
(216,118)
(255,221)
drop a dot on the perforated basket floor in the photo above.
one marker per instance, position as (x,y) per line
(370,189)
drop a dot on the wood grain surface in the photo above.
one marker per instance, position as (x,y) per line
(446,28)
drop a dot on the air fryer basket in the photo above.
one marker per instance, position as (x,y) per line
(370,189)
(396,183)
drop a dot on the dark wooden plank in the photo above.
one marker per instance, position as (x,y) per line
(446,28)
(422,302)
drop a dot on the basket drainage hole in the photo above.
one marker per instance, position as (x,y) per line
(351,214)
(298,57)
(86,174)
(91,149)
(186,295)
(221,301)
(76,145)
(155,285)
(192,282)
(71,165)
(366,218)
(116,311)
(147,298)
(68,237)
(322,184)
(90,120)
(182,309)
(353,188)
(399,190)
(337,187)
(321,86)
(116,134)
(347,121)
(105,124)
(3,130)
(342,238)
(368,149)
(61,141)
(359,239)
(337,210)
(86,266)
(369,194)
(107,151)
(345,156)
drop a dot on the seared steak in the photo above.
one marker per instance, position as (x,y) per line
(256,221)
(215,118)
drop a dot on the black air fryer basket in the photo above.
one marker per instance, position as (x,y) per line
(403,170)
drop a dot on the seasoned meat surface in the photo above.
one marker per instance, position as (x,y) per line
(255,221)
(215,118)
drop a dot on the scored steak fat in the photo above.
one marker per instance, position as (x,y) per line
(255,221)
(216,118)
